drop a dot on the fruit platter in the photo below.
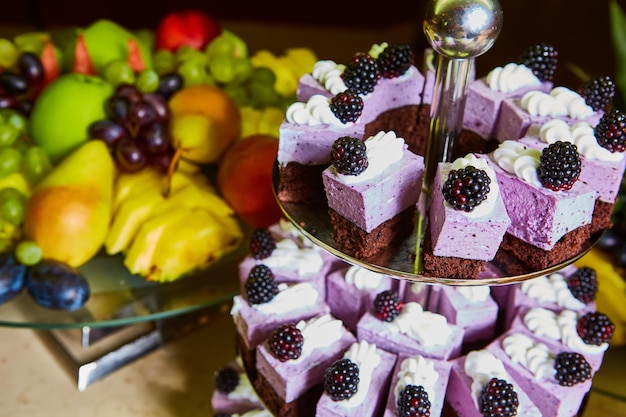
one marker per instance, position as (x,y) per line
(133,164)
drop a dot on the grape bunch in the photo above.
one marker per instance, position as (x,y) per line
(136,129)
(21,80)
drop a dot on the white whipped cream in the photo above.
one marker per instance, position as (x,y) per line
(316,111)
(428,328)
(362,278)
(244,390)
(534,356)
(481,366)
(580,134)
(317,333)
(520,160)
(487,205)
(559,327)
(561,101)
(552,289)
(288,255)
(255,413)
(475,294)
(417,370)
(328,73)
(511,77)
(367,357)
(382,150)
(289,297)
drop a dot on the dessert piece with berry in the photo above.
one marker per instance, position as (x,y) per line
(233,393)
(555,380)
(418,387)
(481,386)
(357,383)
(538,239)
(372,188)
(467,217)
(406,328)
(292,361)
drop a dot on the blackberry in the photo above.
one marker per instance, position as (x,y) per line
(347,106)
(610,131)
(498,399)
(387,305)
(583,284)
(348,155)
(595,328)
(598,92)
(413,402)
(395,60)
(466,188)
(262,243)
(226,380)
(559,166)
(571,368)
(361,74)
(341,379)
(286,342)
(542,59)
(260,286)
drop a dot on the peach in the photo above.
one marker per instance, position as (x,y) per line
(244,178)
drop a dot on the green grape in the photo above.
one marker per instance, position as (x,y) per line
(193,73)
(237,93)
(147,81)
(220,46)
(10,159)
(263,75)
(119,72)
(164,61)
(243,70)
(222,69)
(12,205)
(14,118)
(35,164)
(8,134)
(8,53)
(187,53)
(264,94)
(28,252)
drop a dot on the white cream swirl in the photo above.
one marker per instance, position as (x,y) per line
(318,332)
(577,107)
(362,278)
(288,255)
(417,370)
(580,134)
(487,205)
(328,73)
(534,356)
(475,294)
(511,77)
(481,366)
(289,297)
(243,390)
(367,357)
(542,322)
(428,328)
(382,150)
(518,159)
(316,111)
(561,101)
(551,289)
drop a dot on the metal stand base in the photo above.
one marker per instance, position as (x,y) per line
(90,354)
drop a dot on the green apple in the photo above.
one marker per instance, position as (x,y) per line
(64,110)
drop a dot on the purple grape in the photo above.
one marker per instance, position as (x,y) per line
(108,131)
(130,156)
(8,102)
(128,91)
(162,161)
(155,138)
(141,113)
(30,68)
(159,105)
(118,109)
(24,106)
(12,83)
(169,84)
(12,277)
(56,285)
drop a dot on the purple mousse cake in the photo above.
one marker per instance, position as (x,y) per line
(293,361)
(556,381)
(411,373)
(374,206)
(409,329)
(352,289)
(372,367)
(473,374)
(233,394)
(467,216)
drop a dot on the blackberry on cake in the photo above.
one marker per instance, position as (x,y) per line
(395,60)
(611,130)
(348,155)
(598,92)
(260,286)
(361,74)
(226,380)
(559,166)
(595,328)
(583,284)
(341,379)
(387,305)
(286,342)
(347,106)
(262,243)
(571,368)
(466,188)
(413,402)
(498,399)
(542,59)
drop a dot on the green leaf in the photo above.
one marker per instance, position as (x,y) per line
(618,33)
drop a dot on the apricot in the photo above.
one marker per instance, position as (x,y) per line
(244,179)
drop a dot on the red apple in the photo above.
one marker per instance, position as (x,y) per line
(193,28)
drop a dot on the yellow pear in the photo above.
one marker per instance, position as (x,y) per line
(69,212)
